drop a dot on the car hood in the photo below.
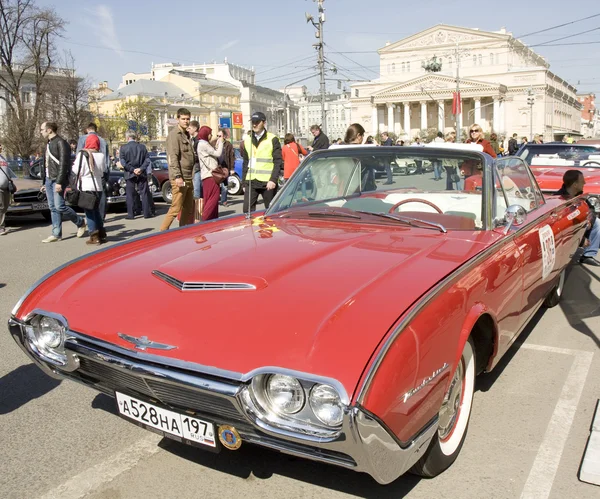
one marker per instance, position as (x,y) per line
(551,177)
(26,184)
(326,293)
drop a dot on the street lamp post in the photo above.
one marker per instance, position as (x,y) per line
(530,103)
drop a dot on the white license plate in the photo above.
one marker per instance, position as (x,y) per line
(39,206)
(182,425)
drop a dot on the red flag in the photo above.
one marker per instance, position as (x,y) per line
(456,103)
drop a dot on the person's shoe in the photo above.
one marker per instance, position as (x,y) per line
(589,260)
(51,239)
(102,235)
(81,230)
(129,218)
(94,238)
(388,183)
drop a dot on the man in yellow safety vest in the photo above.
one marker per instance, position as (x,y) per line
(261,151)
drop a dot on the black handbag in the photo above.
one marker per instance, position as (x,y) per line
(83,199)
(12,188)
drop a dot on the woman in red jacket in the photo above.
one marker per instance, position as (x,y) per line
(469,168)
(291,152)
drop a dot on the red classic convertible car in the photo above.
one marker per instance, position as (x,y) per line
(364,311)
(549,162)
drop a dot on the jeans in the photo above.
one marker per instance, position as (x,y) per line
(388,172)
(59,211)
(197,181)
(592,250)
(94,219)
(224,192)
(437,170)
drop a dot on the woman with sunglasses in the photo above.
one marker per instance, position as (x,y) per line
(469,168)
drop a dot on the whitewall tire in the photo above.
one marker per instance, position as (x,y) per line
(453,418)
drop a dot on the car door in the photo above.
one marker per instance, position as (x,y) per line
(537,238)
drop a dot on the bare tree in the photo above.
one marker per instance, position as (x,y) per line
(73,95)
(27,52)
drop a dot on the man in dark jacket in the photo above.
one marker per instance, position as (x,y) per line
(55,179)
(227,160)
(513,145)
(135,161)
(321,141)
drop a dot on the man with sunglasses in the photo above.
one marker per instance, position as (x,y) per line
(263,163)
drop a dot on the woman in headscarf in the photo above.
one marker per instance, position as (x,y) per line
(208,157)
(89,179)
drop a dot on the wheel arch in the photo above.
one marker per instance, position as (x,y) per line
(481,326)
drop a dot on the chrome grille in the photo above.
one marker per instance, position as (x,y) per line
(169,394)
(200,286)
(29,196)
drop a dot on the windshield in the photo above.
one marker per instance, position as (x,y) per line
(566,154)
(426,186)
(160,164)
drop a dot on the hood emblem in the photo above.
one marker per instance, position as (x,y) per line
(142,343)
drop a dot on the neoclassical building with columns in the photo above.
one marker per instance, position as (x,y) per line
(497,74)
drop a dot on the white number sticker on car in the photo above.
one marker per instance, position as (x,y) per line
(548,250)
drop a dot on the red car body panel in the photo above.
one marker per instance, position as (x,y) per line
(323,275)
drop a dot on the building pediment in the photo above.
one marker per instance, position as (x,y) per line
(442,35)
(435,83)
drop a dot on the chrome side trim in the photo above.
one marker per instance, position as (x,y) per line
(201,286)
(427,297)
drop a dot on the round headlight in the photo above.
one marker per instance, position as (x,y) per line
(285,394)
(50,333)
(594,202)
(122,182)
(122,191)
(326,405)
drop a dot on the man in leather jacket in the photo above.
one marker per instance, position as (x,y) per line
(55,179)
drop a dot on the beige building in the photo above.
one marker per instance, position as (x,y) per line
(497,74)
(204,97)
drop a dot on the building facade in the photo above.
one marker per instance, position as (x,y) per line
(337,112)
(252,97)
(496,75)
(590,119)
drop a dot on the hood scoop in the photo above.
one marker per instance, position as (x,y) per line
(201,286)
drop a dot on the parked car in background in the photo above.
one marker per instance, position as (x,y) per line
(115,188)
(234,182)
(549,162)
(420,289)
(160,174)
(28,200)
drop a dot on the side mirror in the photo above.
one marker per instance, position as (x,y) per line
(514,217)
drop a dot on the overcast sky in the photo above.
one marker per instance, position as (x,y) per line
(110,37)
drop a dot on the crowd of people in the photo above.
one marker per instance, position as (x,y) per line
(75,173)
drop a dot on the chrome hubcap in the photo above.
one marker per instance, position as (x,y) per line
(451,405)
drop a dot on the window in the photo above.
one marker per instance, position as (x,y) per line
(480,59)
(403,67)
(515,186)
(408,67)
(356,92)
(393,67)
(474,60)
(26,97)
(450,63)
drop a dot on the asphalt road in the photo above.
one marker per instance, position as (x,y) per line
(530,423)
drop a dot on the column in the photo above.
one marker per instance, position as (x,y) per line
(441,116)
(496,117)
(407,118)
(477,118)
(501,116)
(397,119)
(390,117)
(374,122)
(423,115)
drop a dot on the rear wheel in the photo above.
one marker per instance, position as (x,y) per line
(166,192)
(453,419)
(556,294)
(234,185)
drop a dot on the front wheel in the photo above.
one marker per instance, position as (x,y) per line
(556,294)
(166,192)
(453,419)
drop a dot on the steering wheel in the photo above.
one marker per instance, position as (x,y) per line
(588,163)
(415,200)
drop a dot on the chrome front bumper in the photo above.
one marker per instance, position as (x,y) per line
(364,444)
